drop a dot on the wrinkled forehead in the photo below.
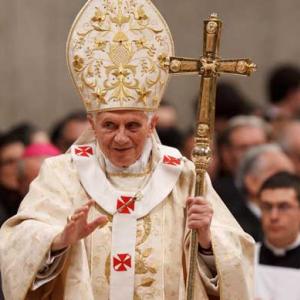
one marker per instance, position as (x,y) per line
(124,115)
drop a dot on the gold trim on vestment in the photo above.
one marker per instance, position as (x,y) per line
(126,175)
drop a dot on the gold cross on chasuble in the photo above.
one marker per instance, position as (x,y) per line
(209,67)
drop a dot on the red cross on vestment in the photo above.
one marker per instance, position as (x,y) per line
(84,151)
(122,262)
(170,160)
(125,205)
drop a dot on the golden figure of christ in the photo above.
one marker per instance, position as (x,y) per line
(209,67)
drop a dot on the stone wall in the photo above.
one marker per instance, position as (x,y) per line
(34,81)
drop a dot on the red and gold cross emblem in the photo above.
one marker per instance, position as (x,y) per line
(170,160)
(84,151)
(125,205)
(122,262)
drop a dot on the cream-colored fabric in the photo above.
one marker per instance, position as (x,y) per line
(161,237)
(50,267)
(116,54)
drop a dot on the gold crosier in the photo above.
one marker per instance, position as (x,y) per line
(209,67)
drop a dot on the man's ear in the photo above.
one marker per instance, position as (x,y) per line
(153,123)
(91,120)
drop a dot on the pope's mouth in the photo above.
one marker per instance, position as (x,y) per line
(122,149)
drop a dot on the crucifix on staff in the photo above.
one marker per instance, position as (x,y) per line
(209,67)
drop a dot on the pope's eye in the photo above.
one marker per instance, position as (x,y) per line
(109,125)
(133,125)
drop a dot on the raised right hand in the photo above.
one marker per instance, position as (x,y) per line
(77,228)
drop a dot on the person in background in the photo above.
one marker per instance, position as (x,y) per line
(29,133)
(242,133)
(258,164)
(68,130)
(284,93)
(171,137)
(277,272)
(167,115)
(11,151)
(289,140)
(230,102)
(167,129)
(30,164)
(283,87)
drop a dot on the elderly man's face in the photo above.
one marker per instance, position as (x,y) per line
(270,164)
(122,135)
(241,140)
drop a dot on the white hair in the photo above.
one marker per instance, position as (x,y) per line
(248,121)
(251,162)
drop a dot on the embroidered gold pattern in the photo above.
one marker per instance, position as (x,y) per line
(78,63)
(100,95)
(115,53)
(147,171)
(126,175)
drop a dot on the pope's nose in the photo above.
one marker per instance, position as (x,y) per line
(121,136)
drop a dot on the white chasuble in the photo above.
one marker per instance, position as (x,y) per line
(93,264)
(126,208)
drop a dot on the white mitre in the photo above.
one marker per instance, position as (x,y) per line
(116,53)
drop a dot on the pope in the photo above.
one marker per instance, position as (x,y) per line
(111,218)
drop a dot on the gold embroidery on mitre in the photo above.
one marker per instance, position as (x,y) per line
(100,95)
(117,52)
(78,63)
